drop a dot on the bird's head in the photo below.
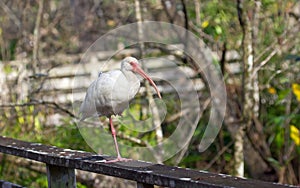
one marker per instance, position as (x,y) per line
(132,64)
(129,64)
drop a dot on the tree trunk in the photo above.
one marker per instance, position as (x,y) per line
(36,35)
(249,87)
(154,109)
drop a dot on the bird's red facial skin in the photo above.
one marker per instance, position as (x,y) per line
(136,68)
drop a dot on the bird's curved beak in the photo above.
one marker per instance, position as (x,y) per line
(140,71)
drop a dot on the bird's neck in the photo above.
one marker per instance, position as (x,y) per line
(131,77)
(134,83)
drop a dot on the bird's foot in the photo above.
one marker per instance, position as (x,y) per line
(118,159)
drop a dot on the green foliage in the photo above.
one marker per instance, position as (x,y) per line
(9,50)
(7,69)
(219,19)
(279,108)
(12,48)
(25,123)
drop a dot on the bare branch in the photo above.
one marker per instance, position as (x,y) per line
(208,166)
(10,14)
(198,12)
(171,18)
(255,24)
(36,35)
(34,103)
(134,140)
(264,62)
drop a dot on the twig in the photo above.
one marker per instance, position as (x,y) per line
(223,58)
(36,35)
(263,63)
(186,18)
(170,18)
(294,15)
(43,78)
(289,148)
(267,49)
(218,155)
(255,24)
(177,52)
(198,12)
(57,106)
(177,115)
(286,123)
(288,35)
(10,14)
(134,140)
(186,26)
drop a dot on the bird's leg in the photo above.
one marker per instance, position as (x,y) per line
(114,135)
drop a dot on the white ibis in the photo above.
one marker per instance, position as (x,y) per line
(111,92)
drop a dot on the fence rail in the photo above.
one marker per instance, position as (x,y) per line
(61,164)
(4,184)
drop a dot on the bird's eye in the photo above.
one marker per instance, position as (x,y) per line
(134,65)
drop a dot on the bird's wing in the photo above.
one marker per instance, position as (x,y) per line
(87,108)
(110,87)
(111,92)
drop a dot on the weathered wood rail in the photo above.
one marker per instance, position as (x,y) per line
(61,164)
(4,184)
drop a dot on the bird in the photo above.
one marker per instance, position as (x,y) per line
(111,93)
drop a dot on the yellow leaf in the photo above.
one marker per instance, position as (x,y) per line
(272,90)
(21,120)
(295,134)
(296,90)
(204,24)
(111,23)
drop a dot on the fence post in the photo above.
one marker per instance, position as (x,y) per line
(60,177)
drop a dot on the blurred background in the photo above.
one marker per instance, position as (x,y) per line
(255,44)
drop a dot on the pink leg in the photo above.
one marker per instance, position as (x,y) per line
(113,132)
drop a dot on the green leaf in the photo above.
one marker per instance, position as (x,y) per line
(279,138)
(274,161)
(7,69)
(218,30)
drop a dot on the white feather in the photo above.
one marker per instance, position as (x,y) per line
(110,94)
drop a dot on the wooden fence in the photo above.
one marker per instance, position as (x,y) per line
(61,164)
(64,79)
(58,85)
